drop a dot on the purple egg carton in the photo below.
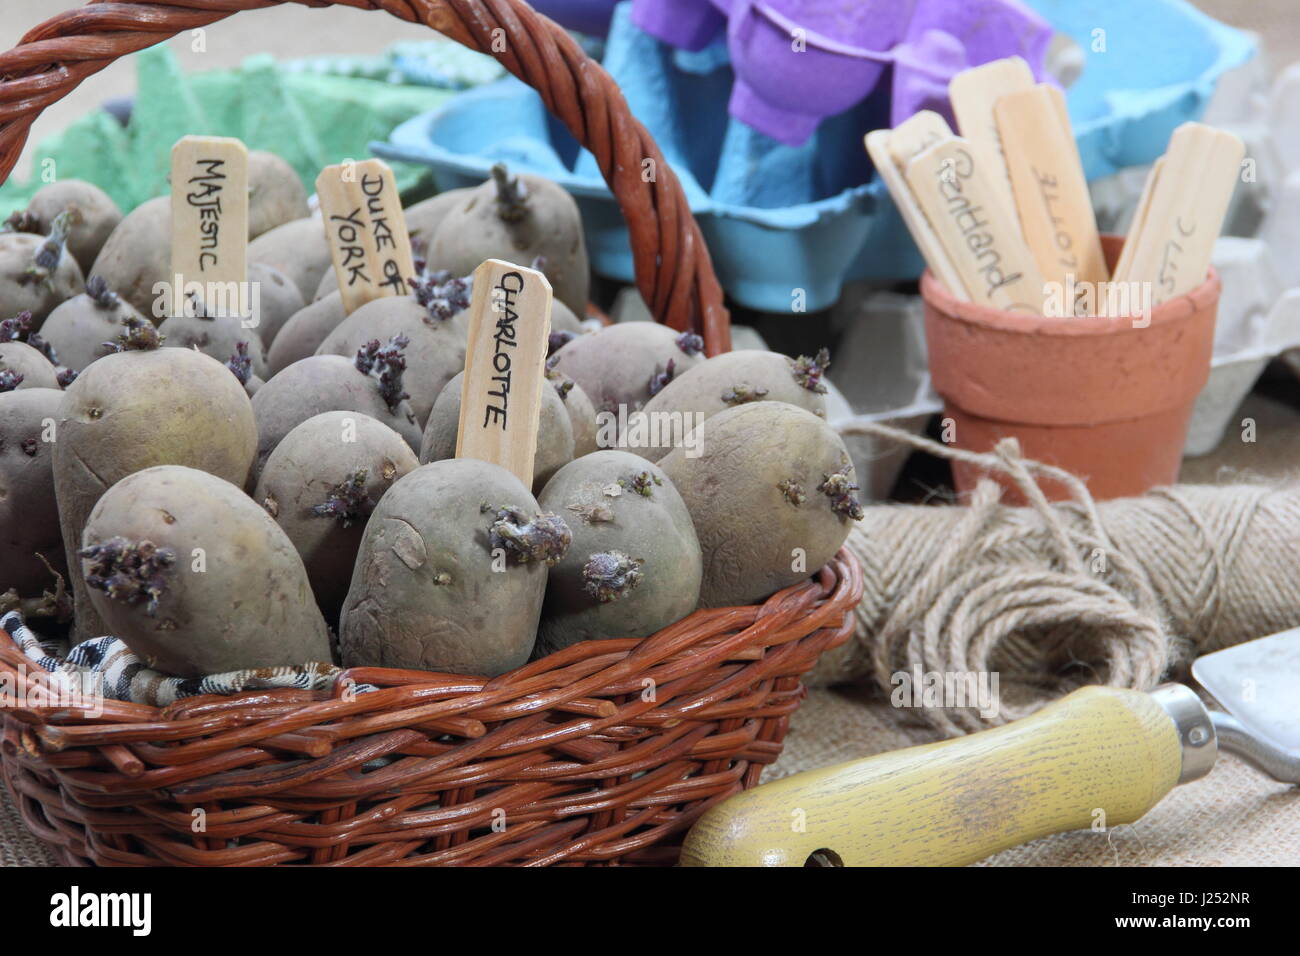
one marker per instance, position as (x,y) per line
(800,61)
(788,225)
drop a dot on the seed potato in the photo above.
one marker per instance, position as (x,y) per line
(276,194)
(728,381)
(93,216)
(22,366)
(634,566)
(279,297)
(323,383)
(423,218)
(582,417)
(36,274)
(771,495)
(197,579)
(302,335)
(219,337)
(517,219)
(136,409)
(321,483)
(298,249)
(78,329)
(625,364)
(29,515)
(437,345)
(451,573)
(138,256)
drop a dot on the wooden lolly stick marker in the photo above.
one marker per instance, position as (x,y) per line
(973,94)
(1051,192)
(956,194)
(878,146)
(1133,241)
(209,200)
(915,135)
(366,231)
(505,367)
(1188,203)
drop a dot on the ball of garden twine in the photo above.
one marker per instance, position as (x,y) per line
(1051,596)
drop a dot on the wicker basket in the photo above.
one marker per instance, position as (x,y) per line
(605,752)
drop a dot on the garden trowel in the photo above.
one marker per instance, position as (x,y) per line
(1100,754)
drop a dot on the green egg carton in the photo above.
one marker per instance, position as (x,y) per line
(311,112)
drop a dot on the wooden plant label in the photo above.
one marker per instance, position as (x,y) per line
(979,233)
(505,367)
(209,199)
(973,94)
(915,135)
(1133,241)
(366,231)
(1051,192)
(1186,210)
(879,146)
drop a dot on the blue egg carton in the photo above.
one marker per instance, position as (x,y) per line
(787,226)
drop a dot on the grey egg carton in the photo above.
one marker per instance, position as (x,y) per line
(1258,256)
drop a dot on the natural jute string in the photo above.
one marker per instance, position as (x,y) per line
(1051,596)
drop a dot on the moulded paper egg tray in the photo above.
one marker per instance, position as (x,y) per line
(779,218)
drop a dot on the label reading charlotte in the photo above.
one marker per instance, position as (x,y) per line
(504,339)
(505,367)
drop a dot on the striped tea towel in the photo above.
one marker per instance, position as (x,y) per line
(107,666)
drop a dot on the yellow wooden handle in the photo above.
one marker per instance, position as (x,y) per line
(1102,755)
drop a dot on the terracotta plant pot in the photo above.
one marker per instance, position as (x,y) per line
(1099,397)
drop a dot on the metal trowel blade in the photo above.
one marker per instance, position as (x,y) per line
(1258,682)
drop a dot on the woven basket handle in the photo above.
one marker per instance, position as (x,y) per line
(673,269)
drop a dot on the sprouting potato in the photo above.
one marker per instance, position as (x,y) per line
(92,217)
(770,488)
(634,565)
(517,219)
(727,381)
(423,218)
(37,272)
(370,383)
(451,573)
(434,321)
(321,483)
(137,408)
(29,515)
(624,365)
(137,257)
(306,329)
(197,579)
(582,417)
(220,337)
(279,297)
(297,249)
(79,328)
(22,366)
(276,194)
